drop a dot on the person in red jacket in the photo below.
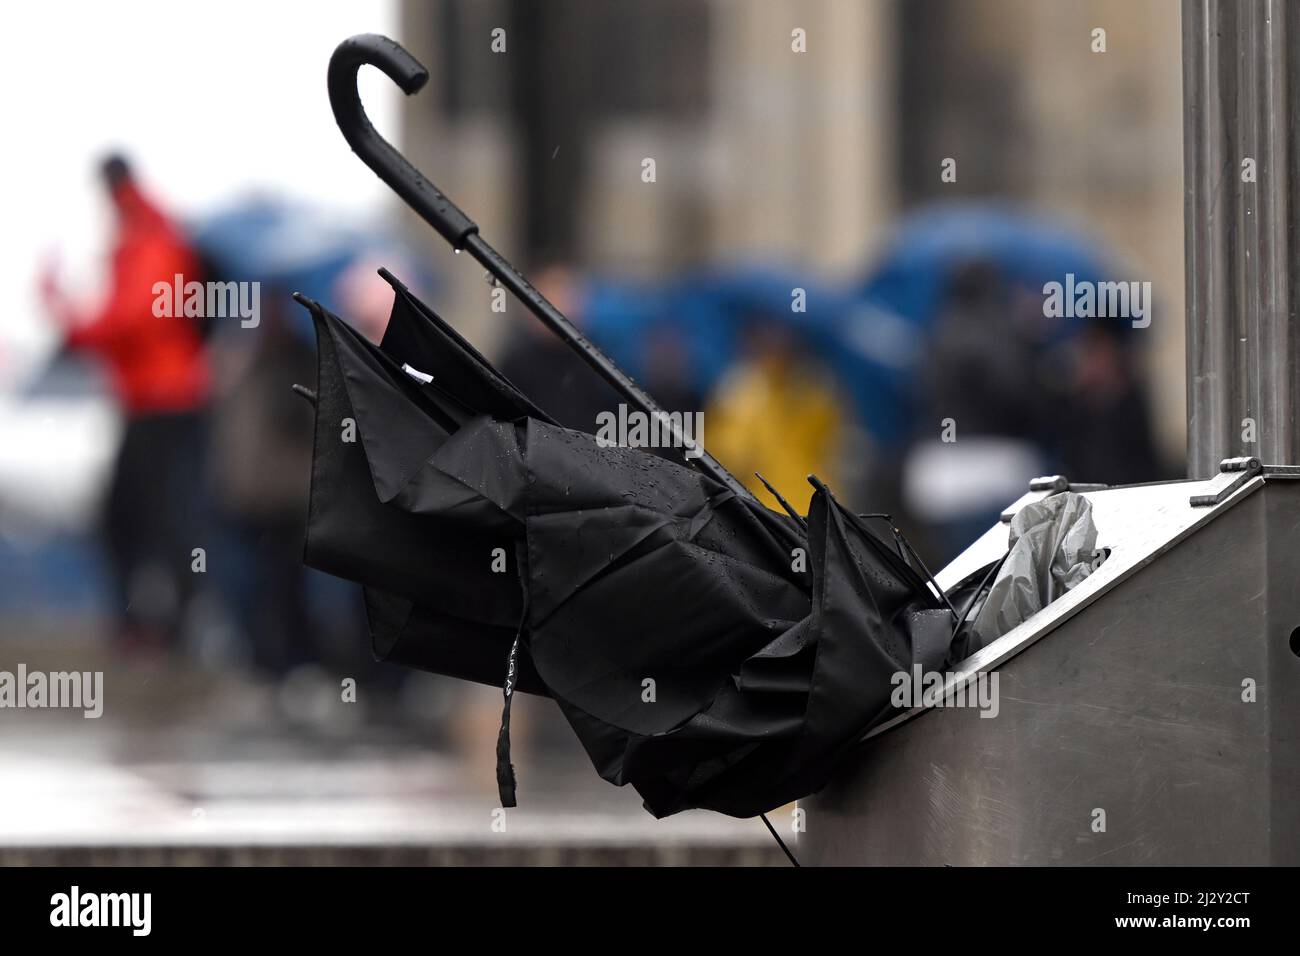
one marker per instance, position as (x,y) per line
(160,376)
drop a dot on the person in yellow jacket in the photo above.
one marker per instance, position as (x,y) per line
(775,413)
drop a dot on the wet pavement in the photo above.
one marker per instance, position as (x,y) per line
(184,767)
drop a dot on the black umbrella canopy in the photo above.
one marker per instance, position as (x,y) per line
(706,650)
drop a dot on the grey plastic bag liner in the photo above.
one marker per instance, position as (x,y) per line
(1053,547)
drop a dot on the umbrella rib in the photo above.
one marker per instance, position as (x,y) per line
(784,504)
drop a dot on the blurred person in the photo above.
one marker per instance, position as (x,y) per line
(667,370)
(365,298)
(774,413)
(1109,437)
(548,370)
(553,375)
(990,408)
(159,372)
(261,468)
(1010,395)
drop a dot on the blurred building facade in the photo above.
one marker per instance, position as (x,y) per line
(763,153)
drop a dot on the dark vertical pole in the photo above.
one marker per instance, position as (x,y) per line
(550,101)
(1240,162)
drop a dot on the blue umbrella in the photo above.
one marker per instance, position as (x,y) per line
(886,319)
(708,310)
(292,246)
(873,333)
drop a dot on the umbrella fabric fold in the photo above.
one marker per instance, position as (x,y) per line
(705,650)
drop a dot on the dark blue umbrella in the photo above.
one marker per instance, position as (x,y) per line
(886,319)
(708,310)
(290,245)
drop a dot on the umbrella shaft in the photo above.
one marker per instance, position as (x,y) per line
(555,320)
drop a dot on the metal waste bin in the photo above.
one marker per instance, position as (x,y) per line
(1148,716)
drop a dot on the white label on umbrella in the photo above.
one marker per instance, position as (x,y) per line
(422,377)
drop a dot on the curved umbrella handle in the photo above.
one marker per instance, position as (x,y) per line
(457,228)
(375,151)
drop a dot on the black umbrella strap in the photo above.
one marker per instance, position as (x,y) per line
(505,769)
